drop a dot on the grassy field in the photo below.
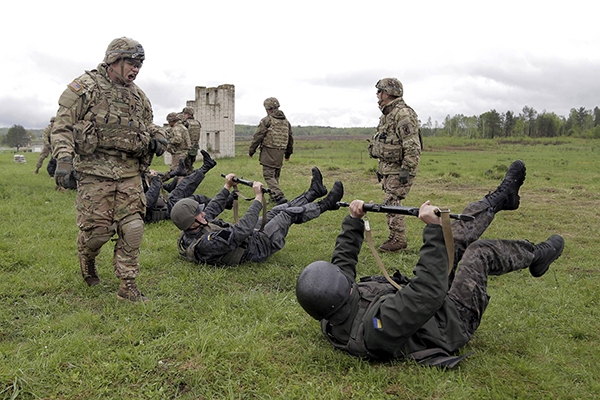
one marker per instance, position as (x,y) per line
(238,333)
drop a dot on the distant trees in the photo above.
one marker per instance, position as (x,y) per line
(16,135)
(529,123)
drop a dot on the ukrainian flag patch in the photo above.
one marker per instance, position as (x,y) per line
(377,323)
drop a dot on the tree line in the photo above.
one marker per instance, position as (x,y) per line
(581,122)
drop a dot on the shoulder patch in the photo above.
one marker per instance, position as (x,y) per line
(75,86)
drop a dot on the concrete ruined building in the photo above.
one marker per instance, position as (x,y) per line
(215,109)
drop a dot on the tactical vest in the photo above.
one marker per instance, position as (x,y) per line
(187,245)
(194,130)
(386,145)
(277,136)
(115,122)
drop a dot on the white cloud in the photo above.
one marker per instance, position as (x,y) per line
(320,58)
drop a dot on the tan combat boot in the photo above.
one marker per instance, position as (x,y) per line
(128,291)
(394,243)
(88,271)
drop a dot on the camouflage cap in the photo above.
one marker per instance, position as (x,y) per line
(173,117)
(391,86)
(124,48)
(184,213)
(188,110)
(271,102)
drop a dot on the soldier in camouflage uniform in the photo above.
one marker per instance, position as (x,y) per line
(104,125)
(179,139)
(274,138)
(47,150)
(397,146)
(194,128)
(208,239)
(435,314)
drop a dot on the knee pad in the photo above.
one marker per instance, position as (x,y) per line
(98,237)
(132,231)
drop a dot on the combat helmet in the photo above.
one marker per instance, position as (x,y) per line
(271,102)
(184,213)
(124,48)
(391,86)
(173,116)
(188,110)
(322,289)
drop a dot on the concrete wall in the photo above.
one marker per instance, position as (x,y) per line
(215,109)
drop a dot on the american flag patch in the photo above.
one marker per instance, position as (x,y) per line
(75,86)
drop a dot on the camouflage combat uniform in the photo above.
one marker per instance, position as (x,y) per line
(221,243)
(108,128)
(431,311)
(194,128)
(274,138)
(47,150)
(179,141)
(397,146)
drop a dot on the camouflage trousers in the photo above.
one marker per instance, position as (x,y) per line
(106,207)
(475,259)
(175,157)
(45,153)
(271,176)
(395,192)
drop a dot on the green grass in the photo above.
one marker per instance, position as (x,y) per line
(238,333)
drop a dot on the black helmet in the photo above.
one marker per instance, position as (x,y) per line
(322,289)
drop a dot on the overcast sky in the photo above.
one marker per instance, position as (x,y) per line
(321,59)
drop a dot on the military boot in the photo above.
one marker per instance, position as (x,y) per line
(506,196)
(128,291)
(546,253)
(88,271)
(394,243)
(208,162)
(316,189)
(330,201)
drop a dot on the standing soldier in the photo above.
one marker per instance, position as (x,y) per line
(104,124)
(193,126)
(179,140)
(397,146)
(274,137)
(47,146)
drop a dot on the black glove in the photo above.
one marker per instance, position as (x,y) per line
(158,146)
(62,174)
(403,176)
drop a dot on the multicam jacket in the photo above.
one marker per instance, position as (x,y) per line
(397,142)
(274,137)
(105,126)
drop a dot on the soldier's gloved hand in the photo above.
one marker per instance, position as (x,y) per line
(403,176)
(63,171)
(158,146)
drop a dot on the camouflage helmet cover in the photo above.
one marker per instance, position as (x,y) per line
(173,117)
(124,48)
(271,102)
(188,110)
(184,213)
(391,86)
